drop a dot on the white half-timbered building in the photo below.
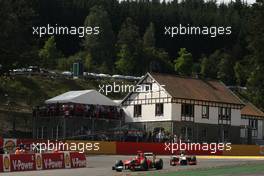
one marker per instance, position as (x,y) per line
(190,108)
(252,119)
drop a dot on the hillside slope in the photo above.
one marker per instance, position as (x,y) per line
(19,94)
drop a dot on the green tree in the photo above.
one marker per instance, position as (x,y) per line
(89,63)
(149,36)
(101,45)
(241,74)
(209,64)
(17,46)
(126,61)
(183,64)
(63,64)
(129,49)
(256,42)
(205,67)
(129,35)
(49,54)
(84,57)
(156,60)
(196,69)
(225,69)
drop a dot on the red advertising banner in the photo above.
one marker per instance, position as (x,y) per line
(22,162)
(1,142)
(77,160)
(130,148)
(37,161)
(53,160)
(1,163)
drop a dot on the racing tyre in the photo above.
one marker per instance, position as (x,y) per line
(193,159)
(159,164)
(172,163)
(118,164)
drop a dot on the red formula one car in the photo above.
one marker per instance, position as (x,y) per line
(142,162)
(183,159)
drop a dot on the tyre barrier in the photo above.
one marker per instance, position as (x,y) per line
(44,161)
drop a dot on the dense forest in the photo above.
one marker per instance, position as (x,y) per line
(132,40)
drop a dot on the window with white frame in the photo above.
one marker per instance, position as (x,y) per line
(205,112)
(253,124)
(137,110)
(224,113)
(159,109)
(187,110)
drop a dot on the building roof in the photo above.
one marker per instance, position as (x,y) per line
(251,110)
(196,89)
(82,97)
(118,102)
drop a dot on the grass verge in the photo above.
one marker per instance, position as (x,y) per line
(220,171)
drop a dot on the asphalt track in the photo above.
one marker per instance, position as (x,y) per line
(102,166)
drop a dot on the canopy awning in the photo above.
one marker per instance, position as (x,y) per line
(89,97)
